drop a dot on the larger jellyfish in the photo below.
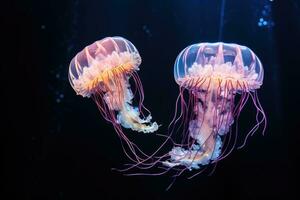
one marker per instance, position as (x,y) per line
(212,74)
(102,71)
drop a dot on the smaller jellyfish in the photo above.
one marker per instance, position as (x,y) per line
(102,71)
(209,76)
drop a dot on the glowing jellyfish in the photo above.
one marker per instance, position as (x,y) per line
(212,74)
(102,71)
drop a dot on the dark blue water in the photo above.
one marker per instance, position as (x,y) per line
(59,147)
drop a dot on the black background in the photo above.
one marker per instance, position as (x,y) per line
(57,146)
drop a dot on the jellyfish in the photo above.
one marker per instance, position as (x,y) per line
(210,76)
(102,71)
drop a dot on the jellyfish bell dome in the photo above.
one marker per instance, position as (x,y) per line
(223,63)
(97,61)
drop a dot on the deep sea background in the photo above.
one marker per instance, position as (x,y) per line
(57,146)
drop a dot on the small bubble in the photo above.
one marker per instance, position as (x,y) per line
(272,23)
(147,30)
(43,26)
(61,95)
(58,100)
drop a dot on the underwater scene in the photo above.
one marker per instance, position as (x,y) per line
(128,99)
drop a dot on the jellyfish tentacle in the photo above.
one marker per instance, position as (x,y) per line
(204,134)
(119,98)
